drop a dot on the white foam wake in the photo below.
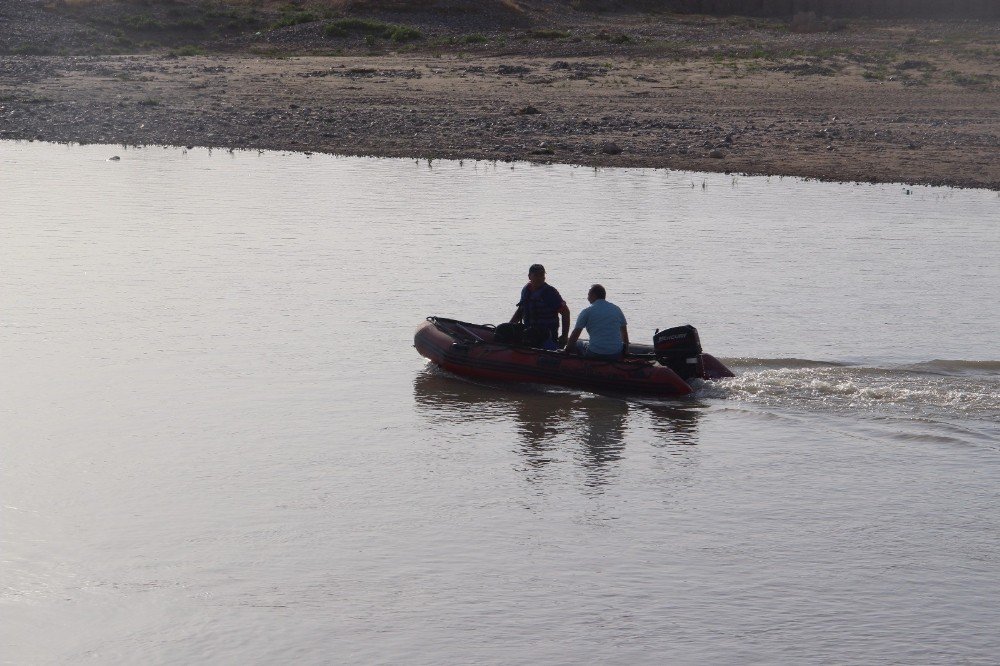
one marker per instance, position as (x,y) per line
(944,388)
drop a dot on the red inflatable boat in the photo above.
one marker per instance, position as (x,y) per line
(659,369)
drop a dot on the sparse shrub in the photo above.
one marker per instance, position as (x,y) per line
(809,22)
(121,39)
(190,23)
(475,38)
(294,18)
(404,33)
(372,29)
(361,25)
(32,49)
(511,6)
(920,65)
(612,38)
(142,22)
(189,50)
(549,34)
(963,79)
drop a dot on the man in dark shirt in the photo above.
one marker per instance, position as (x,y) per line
(540,308)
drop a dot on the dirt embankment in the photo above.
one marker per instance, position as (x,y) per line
(906,102)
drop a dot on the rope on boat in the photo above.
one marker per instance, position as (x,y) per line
(465,330)
(461,326)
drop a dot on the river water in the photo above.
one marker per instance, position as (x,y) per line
(218,444)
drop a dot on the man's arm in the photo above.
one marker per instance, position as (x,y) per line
(518,314)
(564,313)
(624,340)
(571,343)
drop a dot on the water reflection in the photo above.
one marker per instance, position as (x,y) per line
(550,424)
(602,433)
(540,420)
(674,425)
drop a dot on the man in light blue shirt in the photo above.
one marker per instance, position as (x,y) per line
(606,326)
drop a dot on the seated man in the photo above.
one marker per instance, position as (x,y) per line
(606,326)
(540,308)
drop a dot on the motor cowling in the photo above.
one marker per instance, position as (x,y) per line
(679,349)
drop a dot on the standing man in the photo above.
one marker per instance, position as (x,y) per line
(606,326)
(540,308)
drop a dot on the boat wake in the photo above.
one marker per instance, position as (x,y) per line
(946,390)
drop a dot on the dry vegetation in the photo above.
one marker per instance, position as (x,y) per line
(496,27)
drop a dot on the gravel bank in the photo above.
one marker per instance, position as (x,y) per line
(916,103)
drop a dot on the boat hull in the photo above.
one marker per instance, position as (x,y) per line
(468,350)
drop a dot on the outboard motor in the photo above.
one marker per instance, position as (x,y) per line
(679,349)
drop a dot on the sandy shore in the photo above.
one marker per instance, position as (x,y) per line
(923,117)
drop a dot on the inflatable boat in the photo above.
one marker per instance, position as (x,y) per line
(663,368)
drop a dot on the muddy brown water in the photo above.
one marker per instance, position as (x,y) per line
(220,446)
